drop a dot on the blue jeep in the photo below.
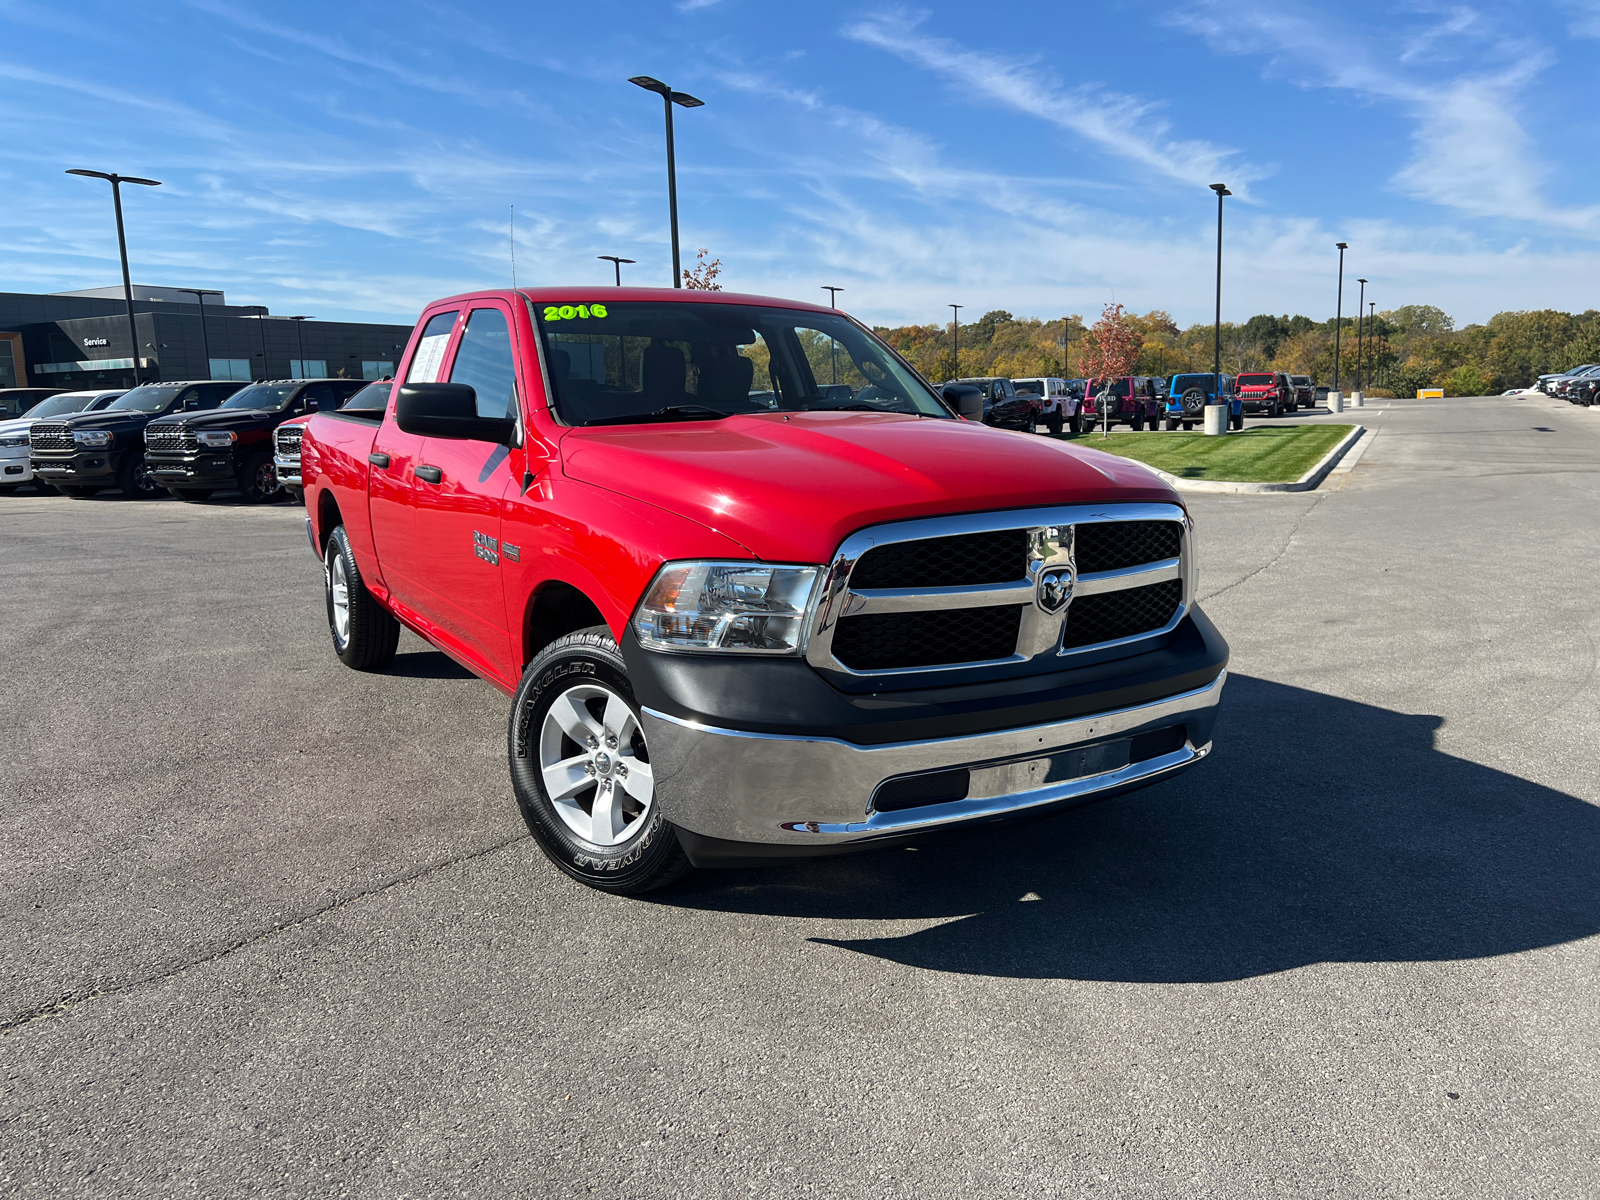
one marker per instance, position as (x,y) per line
(1188,395)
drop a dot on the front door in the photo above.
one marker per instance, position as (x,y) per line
(460,485)
(391,480)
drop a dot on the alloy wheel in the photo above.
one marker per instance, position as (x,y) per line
(594,765)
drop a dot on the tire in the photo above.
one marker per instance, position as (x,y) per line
(1236,421)
(193,495)
(1137,423)
(365,634)
(1075,423)
(77,491)
(135,481)
(575,728)
(258,481)
(1194,401)
(1275,411)
(1170,424)
(1054,422)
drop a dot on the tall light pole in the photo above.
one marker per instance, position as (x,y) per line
(1361,345)
(1338,314)
(200,295)
(955,333)
(300,341)
(833,346)
(668,99)
(1221,189)
(116,182)
(1371,319)
(615,262)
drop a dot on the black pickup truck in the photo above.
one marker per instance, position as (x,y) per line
(84,452)
(231,447)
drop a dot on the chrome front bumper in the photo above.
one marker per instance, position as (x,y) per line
(796,792)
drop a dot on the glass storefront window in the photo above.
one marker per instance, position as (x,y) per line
(308,368)
(376,368)
(237,369)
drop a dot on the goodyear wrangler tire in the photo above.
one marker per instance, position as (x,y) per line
(365,634)
(581,769)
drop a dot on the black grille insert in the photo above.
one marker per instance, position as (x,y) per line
(1111,615)
(914,791)
(896,641)
(1113,545)
(962,561)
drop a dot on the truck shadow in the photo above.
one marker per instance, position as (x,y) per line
(1320,830)
(427,664)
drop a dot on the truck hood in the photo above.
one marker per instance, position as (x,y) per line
(118,420)
(791,488)
(15,425)
(221,418)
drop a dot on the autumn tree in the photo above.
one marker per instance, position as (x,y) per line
(1111,347)
(703,277)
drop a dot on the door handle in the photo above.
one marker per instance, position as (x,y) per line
(378,459)
(430,474)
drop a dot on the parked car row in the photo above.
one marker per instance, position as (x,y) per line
(1576,385)
(188,438)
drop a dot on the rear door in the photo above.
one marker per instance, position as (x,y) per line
(459,486)
(393,460)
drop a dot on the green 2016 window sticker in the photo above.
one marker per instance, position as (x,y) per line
(565,312)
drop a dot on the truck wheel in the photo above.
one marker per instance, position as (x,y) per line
(259,479)
(581,770)
(1075,423)
(134,479)
(1236,420)
(1137,423)
(365,633)
(193,495)
(1054,423)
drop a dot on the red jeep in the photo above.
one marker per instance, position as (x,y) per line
(1268,392)
(743,614)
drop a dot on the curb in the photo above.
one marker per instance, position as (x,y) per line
(1305,483)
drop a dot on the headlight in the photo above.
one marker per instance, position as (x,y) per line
(20,439)
(93,439)
(738,606)
(216,439)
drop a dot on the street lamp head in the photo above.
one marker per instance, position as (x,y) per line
(684,100)
(1221,189)
(1342,245)
(110,178)
(90,174)
(1360,280)
(650,85)
(612,258)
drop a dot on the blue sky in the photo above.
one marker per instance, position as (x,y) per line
(357,159)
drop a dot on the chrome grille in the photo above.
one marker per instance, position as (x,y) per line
(966,590)
(42,436)
(170,439)
(286,440)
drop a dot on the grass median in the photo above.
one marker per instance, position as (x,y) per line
(1264,454)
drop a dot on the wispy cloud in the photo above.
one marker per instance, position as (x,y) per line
(1471,152)
(693,5)
(1118,124)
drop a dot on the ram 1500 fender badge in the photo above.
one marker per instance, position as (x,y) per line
(486,548)
(1055,588)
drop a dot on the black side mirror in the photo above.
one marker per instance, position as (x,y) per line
(449,410)
(311,404)
(965,399)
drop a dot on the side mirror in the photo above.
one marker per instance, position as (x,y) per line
(448,410)
(311,404)
(965,399)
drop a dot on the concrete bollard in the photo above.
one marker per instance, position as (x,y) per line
(1216,418)
(1358,399)
(1335,401)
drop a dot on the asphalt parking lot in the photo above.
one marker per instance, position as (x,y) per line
(273,928)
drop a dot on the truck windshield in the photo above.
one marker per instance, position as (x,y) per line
(151,398)
(1257,380)
(636,361)
(67,402)
(263,397)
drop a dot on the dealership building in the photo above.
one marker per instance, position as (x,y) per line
(79,340)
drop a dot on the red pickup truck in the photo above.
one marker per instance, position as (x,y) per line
(744,614)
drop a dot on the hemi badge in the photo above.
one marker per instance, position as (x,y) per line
(514,553)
